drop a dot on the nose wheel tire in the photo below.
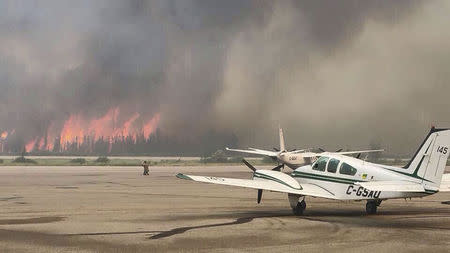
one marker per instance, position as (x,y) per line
(298,210)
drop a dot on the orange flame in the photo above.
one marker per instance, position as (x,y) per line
(30,145)
(41,144)
(150,126)
(76,128)
(51,135)
(104,126)
(72,129)
(125,131)
(4,135)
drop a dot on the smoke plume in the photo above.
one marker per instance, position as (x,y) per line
(331,73)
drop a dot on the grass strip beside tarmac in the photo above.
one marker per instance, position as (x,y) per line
(119,162)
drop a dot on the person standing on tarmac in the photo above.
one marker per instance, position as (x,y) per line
(146,170)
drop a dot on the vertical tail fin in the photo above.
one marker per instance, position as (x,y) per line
(282,146)
(428,164)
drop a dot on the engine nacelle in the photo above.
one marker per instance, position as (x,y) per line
(277,177)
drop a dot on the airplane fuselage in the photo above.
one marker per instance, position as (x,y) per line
(343,186)
(295,161)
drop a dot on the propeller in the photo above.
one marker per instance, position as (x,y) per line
(358,156)
(278,168)
(276,149)
(249,165)
(321,149)
(258,200)
(259,196)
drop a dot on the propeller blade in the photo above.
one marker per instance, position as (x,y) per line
(278,168)
(321,149)
(358,156)
(249,165)
(276,149)
(259,196)
(339,150)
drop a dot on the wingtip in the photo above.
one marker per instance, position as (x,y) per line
(182,176)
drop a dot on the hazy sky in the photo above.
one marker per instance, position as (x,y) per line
(332,73)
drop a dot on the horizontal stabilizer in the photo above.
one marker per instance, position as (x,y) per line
(255,151)
(392,186)
(297,151)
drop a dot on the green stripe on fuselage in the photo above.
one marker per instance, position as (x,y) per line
(325,178)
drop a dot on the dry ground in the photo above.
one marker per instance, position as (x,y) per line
(115,209)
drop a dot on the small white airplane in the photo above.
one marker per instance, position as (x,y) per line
(295,158)
(340,177)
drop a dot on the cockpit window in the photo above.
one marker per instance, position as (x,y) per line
(347,170)
(332,165)
(320,164)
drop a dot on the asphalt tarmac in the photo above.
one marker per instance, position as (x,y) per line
(104,209)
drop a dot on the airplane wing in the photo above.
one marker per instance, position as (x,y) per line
(297,151)
(254,151)
(288,152)
(445,183)
(392,186)
(276,186)
(312,154)
(358,152)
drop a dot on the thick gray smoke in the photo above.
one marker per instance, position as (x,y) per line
(332,73)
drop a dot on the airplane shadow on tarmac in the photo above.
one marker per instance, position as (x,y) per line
(416,218)
(180,230)
(411,219)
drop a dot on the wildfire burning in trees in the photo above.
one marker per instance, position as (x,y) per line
(151,125)
(29,146)
(3,137)
(78,130)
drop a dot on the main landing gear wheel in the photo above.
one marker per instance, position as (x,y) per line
(371,206)
(298,210)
